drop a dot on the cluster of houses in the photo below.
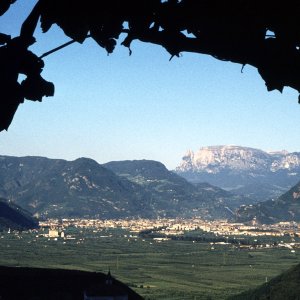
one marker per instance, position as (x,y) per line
(176,226)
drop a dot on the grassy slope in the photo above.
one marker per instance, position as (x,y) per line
(285,286)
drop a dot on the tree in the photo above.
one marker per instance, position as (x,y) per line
(264,34)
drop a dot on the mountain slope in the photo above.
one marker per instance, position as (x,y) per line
(172,195)
(84,188)
(14,217)
(59,188)
(285,208)
(258,174)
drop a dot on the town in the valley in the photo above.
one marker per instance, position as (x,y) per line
(166,229)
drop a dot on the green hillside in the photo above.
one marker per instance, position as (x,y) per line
(285,208)
(283,287)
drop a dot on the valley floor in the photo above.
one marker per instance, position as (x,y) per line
(168,269)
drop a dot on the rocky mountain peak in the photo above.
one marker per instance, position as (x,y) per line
(213,159)
(259,174)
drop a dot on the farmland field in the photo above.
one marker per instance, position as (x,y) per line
(156,270)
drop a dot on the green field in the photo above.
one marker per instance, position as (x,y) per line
(165,270)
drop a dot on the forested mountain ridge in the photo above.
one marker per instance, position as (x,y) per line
(84,188)
(167,188)
(284,208)
(59,188)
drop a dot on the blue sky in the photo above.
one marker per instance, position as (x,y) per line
(144,106)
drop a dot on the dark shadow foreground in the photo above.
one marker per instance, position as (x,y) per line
(47,284)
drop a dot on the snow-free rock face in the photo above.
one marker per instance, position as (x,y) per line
(215,158)
(237,168)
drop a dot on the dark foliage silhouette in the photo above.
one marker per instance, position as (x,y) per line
(264,34)
(15,59)
(4,5)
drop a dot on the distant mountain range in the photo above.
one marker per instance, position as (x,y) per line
(84,188)
(144,188)
(172,195)
(15,218)
(242,170)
